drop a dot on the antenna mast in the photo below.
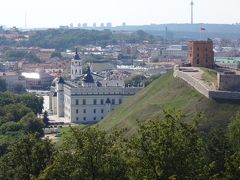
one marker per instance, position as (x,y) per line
(192,4)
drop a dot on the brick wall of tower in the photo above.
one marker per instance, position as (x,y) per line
(200,54)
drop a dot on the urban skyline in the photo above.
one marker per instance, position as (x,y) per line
(54,13)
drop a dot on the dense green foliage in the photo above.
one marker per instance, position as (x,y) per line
(18,117)
(88,154)
(164,148)
(15,55)
(68,38)
(26,158)
(140,80)
(56,54)
(135,81)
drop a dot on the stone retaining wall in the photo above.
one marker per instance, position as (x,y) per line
(225,95)
(193,82)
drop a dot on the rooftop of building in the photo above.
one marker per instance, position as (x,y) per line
(201,41)
(9,73)
(36,75)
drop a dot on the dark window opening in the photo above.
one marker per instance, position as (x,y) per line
(197,61)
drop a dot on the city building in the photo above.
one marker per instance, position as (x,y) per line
(200,53)
(108,25)
(37,80)
(175,52)
(85,99)
(13,80)
(102,25)
(228,62)
(84,25)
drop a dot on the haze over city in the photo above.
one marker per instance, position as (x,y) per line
(53,13)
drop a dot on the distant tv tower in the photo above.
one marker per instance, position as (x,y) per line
(192,4)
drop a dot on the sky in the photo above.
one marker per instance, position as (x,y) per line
(52,13)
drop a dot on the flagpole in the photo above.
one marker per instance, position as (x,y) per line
(202,30)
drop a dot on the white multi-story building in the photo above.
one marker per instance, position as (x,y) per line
(84,99)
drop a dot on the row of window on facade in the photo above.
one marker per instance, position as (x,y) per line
(198,62)
(95,102)
(84,118)
(197,55)
(79,63)
(198,49)
(85,111)
(75,71)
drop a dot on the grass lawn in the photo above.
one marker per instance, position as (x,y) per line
(210,76)
(166,93)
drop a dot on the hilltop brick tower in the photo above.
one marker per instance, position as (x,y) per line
(200,53)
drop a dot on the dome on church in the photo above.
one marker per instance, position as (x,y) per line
(57,80)
(88,78)
(60,80)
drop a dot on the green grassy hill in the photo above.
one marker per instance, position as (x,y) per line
(164,93)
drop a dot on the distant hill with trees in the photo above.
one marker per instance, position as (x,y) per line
(68,38)
(188,31)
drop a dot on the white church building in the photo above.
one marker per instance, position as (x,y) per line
(83,99)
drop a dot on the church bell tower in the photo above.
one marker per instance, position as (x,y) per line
(76,66)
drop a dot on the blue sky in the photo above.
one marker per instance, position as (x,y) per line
(52,13)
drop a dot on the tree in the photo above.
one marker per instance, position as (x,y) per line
(3,85)
(33,102)
(232,164)
(234,132)
(15,55)
(19,88)
(56,54)
(32,124)
(26,158)
(167,148)
(88,153)
(45,119)
(135,80)
(218,148)
(13,112)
